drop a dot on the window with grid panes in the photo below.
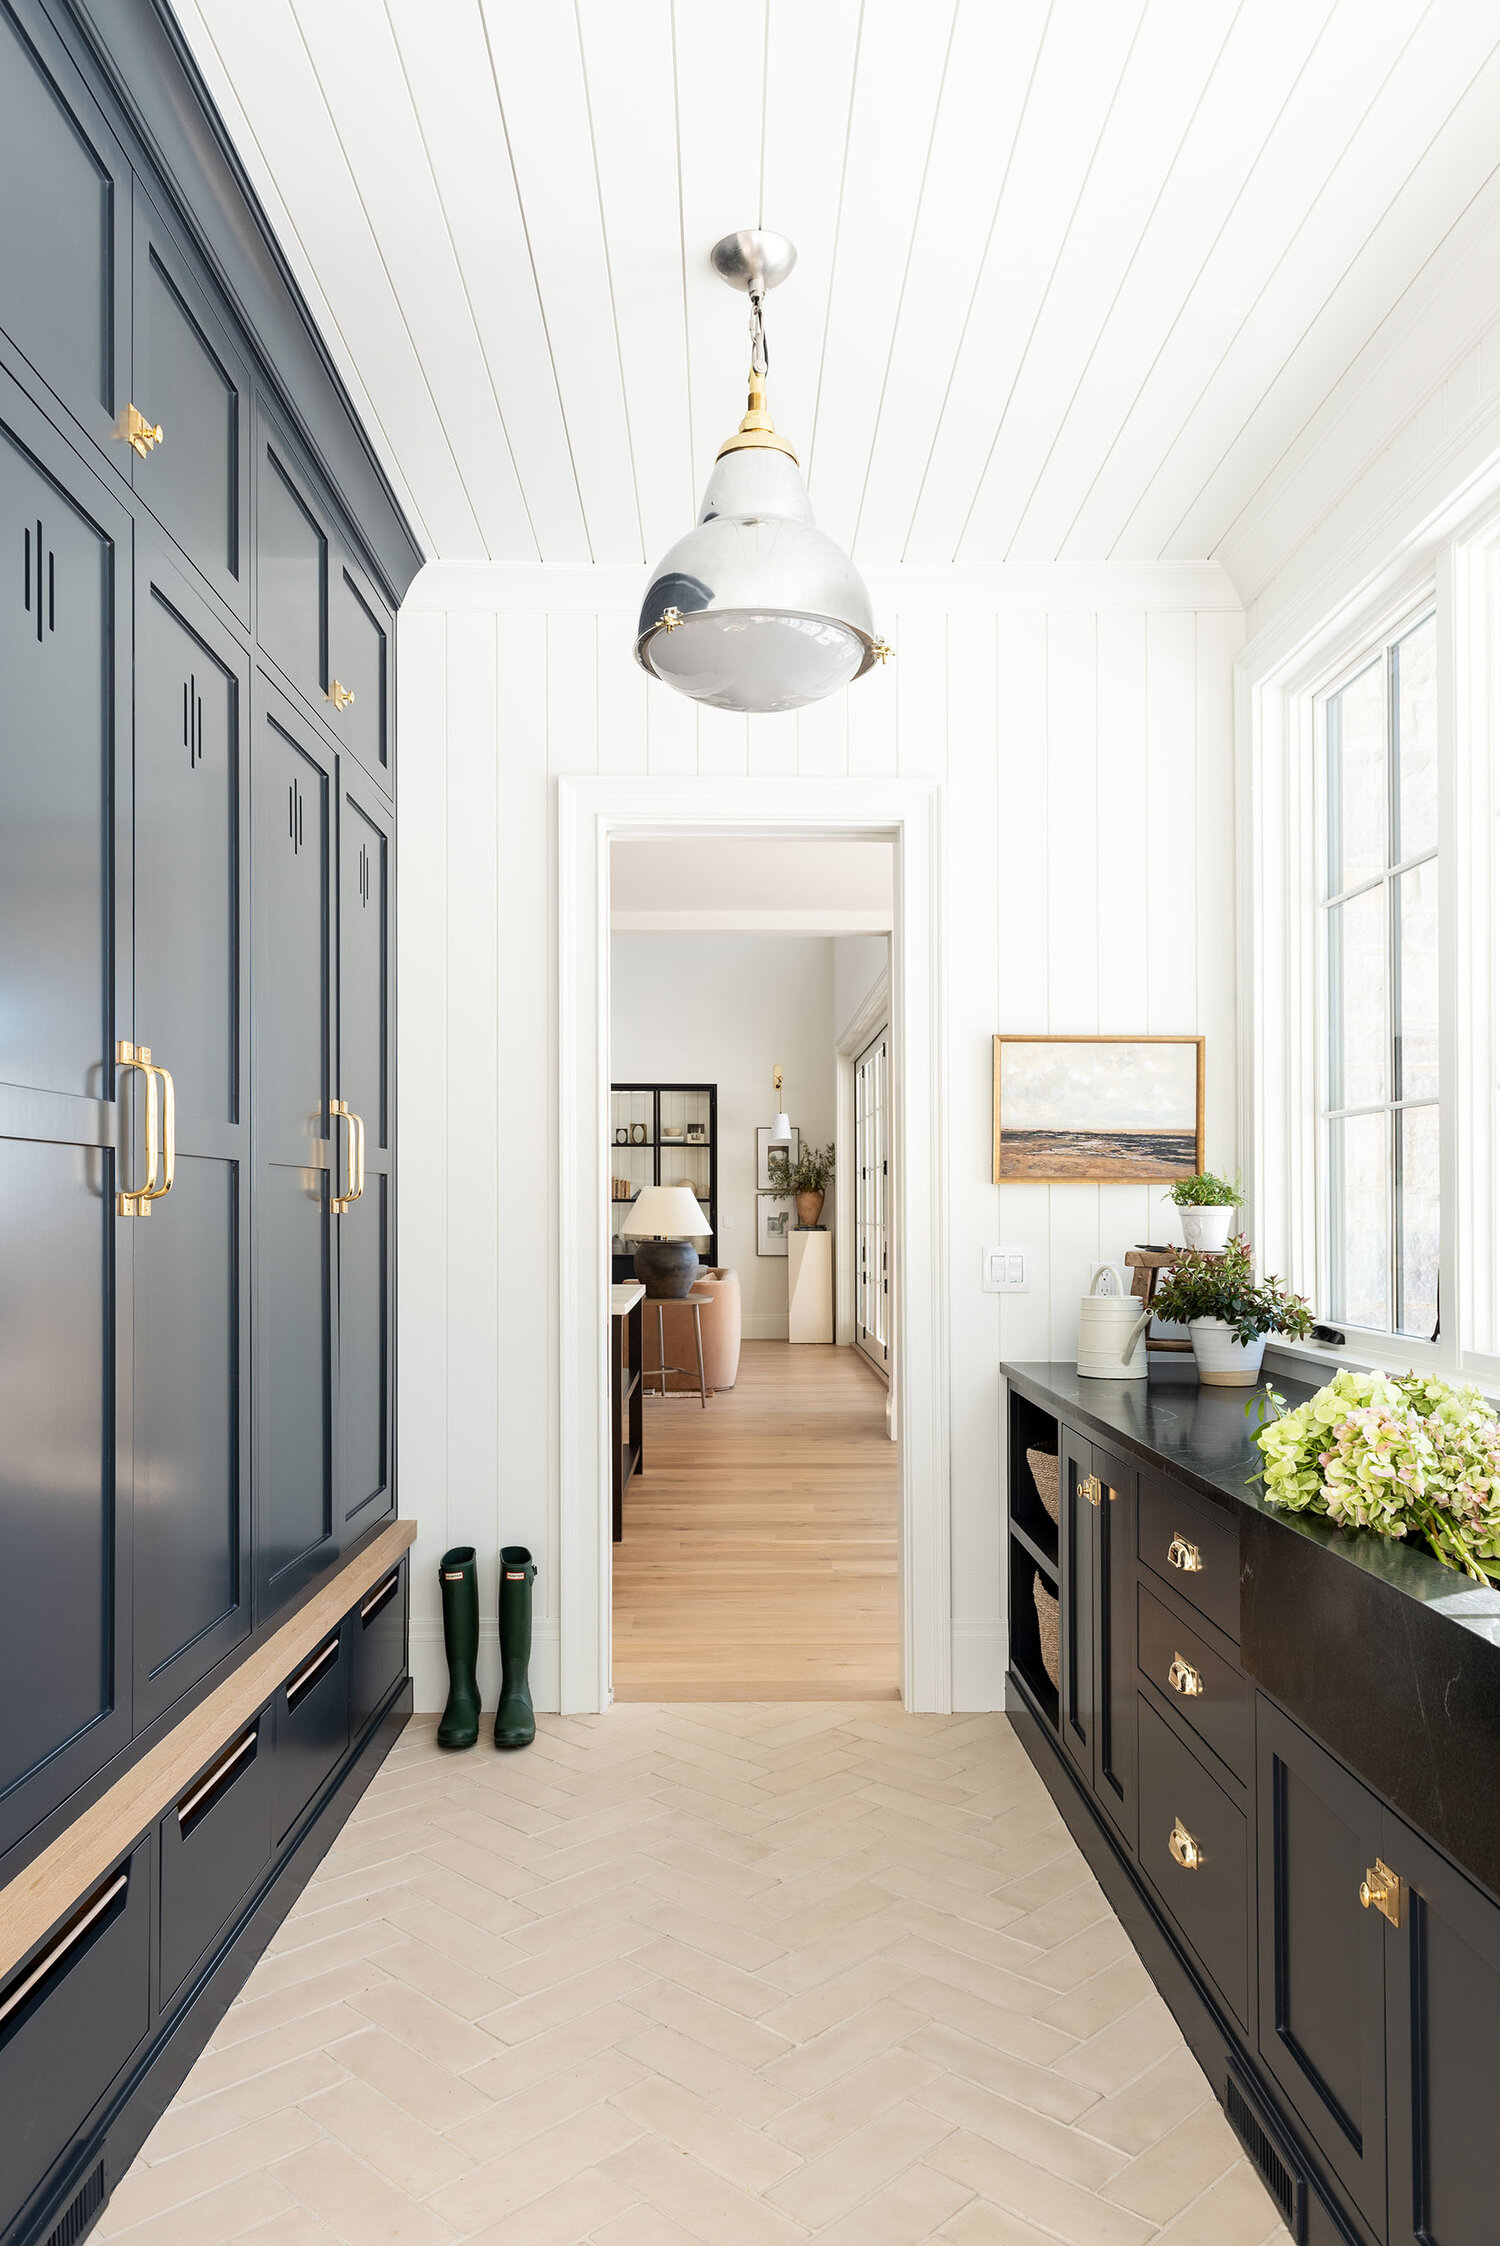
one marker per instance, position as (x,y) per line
(1380,927)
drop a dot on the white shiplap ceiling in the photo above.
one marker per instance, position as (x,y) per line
(1073,274)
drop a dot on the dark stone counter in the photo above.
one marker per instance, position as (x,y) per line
(1390,1658)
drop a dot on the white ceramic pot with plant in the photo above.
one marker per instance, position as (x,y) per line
(1206,1206)
(1229,1314)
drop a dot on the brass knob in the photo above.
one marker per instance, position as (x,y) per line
(340,696)
(1184,1849)
(1185,1556)
(1184,1678)
(135,430)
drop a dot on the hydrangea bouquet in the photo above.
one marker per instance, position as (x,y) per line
(1402,1456)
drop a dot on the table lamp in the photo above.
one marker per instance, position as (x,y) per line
(666,1220)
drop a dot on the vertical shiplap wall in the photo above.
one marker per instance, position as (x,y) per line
(1085,758)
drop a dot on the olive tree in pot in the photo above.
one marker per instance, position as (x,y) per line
(1206,1205)
(804,1181)
(1229,1315)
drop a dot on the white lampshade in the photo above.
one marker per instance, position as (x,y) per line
(781,1131)
(665,1212)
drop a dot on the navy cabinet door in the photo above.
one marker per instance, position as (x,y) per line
(1114,1606)
(1442,2001)
(365,1224)
(192,1558)
(65,1255)
(292,789)
(294,563)
(189,380)
(1077,1545)
(1322,1955)
(65,242)
(360,657)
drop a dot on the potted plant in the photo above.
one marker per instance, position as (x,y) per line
(804,1181)
(1227,1312)
(1207,1205)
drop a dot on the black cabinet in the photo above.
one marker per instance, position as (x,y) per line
(294,547)
(361,691)
(312,1727)
(362,1199)
(215,1844)
(1097,1524)
(377,1648)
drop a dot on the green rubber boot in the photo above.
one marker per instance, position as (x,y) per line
(460,1587)
(515,1720)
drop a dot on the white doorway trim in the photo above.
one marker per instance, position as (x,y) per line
(873,1013)
(590,813)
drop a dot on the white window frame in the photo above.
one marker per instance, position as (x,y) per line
(1454,569)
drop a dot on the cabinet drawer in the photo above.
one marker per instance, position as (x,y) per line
(69,2019)
(1206,1691)
(378,1629)
(1206,1894)
(1194,1547)
(312,1727)
(213,1845)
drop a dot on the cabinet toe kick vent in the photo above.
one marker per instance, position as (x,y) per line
(1271,2155)
(80,2210)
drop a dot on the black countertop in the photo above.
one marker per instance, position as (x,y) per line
(1204,1437)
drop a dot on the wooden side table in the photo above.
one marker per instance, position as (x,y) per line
(626,1352)
(661,1304)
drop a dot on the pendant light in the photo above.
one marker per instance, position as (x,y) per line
(755,609)
(781,1124)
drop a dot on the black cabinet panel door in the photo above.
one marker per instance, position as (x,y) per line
(1322,1956)
(65,241)
(189,379)
(191,1370)
(1115,1734)
(1442,2003)
(65,1264)
(361,664)
(1076,1546)
(293,560)
(296,1339)
(366,1307)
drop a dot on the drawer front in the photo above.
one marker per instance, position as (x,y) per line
(378,1629)
(312,1727)
(214,1843)
(1204,1689)
(1194,1547)
(1205,1895)
(69,2019)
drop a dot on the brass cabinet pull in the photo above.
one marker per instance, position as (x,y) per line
(71,1935)
(355,1183)
(135,1200)
(1184,1678)
(1187,1557)
(1380,1890)
(153,1191)
(135,430)
(221,1770)
(1092,1489)
(1184,1849)
(338,694)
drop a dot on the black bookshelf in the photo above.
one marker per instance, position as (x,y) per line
(665,1156)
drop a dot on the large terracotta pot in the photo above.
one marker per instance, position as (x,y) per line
(721,1336)
(809,1209)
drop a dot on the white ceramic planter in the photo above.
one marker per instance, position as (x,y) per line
(1206,1228)
(1222,1361)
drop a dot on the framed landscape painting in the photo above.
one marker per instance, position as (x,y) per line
(1098,1110)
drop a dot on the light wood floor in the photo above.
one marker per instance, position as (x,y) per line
(759,1556)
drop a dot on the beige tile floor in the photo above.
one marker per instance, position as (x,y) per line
(700,1976)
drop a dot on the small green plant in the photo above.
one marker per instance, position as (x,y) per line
(1205,1191)
(1224,1286)
(810,1172)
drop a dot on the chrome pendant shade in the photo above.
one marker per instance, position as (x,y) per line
(755,609)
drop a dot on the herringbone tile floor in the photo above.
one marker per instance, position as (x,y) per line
(700,1976)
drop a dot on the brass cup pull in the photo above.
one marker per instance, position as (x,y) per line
(339,695)
(135,1200)
(1380,1890)
(135,430)
(1184,1678)
(1187,1557)
(1184,1849)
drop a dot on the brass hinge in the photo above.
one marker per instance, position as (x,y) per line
(1380,1890)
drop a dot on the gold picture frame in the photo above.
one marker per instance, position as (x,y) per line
(1075,1124)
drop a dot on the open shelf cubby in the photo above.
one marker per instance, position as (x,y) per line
(1025,1634)
(1031,1430)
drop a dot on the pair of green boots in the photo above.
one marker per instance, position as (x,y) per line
(515,1720)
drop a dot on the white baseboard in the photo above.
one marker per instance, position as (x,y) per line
(980,1656)
(429,1669)
(764,1325)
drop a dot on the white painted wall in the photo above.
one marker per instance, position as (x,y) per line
(725,1010)
(858,964)
(1080,724)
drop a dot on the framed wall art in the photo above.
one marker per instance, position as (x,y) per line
(773,1221)
(1098,1110)
(763,1178)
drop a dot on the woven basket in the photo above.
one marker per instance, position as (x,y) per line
(1043,1466)
(1046,1630)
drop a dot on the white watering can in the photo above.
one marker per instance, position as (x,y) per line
(1111,1329)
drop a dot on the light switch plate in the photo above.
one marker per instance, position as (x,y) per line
(1006,1271)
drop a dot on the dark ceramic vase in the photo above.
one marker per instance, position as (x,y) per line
(667,1269)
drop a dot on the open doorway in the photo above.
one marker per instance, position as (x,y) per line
(758,1507)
